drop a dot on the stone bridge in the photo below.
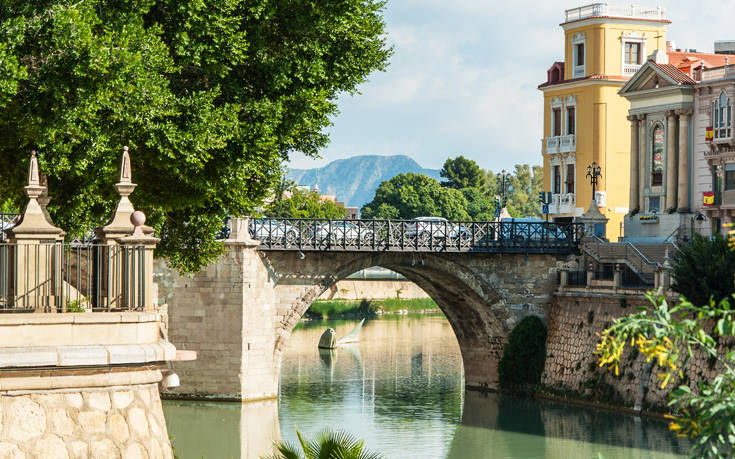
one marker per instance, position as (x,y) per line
(239,312)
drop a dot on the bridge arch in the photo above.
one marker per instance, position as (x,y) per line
(472,291)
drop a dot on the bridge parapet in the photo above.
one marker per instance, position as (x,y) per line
(300,234)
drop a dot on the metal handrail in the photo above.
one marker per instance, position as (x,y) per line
(416,235)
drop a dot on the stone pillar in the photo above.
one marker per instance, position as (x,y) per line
(35,250)
(563,278)
(671,161)
(683,191)
(618,277)
(634,161)
(590,275)
(642,155)
(137,291)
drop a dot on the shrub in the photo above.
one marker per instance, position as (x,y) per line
(520,368)
(704,270)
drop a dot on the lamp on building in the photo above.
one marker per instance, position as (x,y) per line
(593,171)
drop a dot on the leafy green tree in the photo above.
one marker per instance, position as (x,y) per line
(305,204)
(210,96)
(327,445)
(525,184)
(705,269)
(480,204)
(670,336)
(412,195)
(461,172)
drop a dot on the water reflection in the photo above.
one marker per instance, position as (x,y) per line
(401,389)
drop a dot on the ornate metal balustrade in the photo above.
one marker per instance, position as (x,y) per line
(415,236)
(59,277)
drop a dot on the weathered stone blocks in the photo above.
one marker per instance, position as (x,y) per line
(90,423)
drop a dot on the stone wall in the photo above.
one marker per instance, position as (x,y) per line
(84,423)
(349,289)
(571,370)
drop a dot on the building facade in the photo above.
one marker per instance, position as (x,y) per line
(662,150)
(584,117)
(714,161)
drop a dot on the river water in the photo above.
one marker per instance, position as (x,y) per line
(401,389)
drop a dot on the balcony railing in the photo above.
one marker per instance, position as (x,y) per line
(58,277)
(619,11)
(562,203)
(630,69)
(718,73)
(561,144)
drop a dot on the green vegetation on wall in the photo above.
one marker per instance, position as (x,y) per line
(524,355)
(321,309)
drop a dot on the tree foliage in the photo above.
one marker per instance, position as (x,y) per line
(461,172)
(669,336)
(525,184)
(520,368)
(705,269)
(412,195)
(210,96)
(327,444)
(305,204)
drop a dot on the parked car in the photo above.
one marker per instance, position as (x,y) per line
(275,230)
(435,227)
(533,229)
(338,231)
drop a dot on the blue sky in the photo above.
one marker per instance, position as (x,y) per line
(464,75)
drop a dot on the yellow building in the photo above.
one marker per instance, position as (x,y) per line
(585,119)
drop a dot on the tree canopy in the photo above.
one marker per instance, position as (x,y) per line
(305,204)
(704,269)
(461,172)
(210,97)
(412,195)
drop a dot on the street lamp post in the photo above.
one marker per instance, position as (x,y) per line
(504,179)
(593,171)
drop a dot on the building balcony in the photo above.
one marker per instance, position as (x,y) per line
(630,69)
(594,10)
(561,144)
(562,203)
(578,71)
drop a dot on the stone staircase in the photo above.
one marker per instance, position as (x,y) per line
(642,259)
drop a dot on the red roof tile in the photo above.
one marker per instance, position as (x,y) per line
(673,72)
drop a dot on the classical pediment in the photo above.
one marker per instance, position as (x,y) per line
(654,76)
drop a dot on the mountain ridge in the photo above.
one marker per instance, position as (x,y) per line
(354,180)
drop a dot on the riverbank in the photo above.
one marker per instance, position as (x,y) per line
(365,309)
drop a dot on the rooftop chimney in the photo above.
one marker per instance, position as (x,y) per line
(659,57)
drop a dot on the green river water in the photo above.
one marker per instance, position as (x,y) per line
(401,388)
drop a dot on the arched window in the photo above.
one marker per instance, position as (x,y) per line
(657,156)
(722,111)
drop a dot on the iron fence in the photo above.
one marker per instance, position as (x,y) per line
(576,278)
(415,235)
(59,277)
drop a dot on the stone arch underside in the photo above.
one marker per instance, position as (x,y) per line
(480,294)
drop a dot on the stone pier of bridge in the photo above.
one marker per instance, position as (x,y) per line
(239,312)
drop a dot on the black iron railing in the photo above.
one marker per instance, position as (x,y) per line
(58,277)
(415,235)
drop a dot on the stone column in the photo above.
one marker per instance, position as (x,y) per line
(642,155)
(634,162)
(683,192)
(671,161)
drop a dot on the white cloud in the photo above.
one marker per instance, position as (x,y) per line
(464,79)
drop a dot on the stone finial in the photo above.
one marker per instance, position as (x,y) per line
(125,175)
(137,218)
(33,177)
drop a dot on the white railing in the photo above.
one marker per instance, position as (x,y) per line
(630,69)
(567,203)
(621,11)
(561,144)
(554,205)
(552,145)
(578,71)
(568,143)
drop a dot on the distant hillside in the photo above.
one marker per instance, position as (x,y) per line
(354,180)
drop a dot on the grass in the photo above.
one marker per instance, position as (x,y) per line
(322,309)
